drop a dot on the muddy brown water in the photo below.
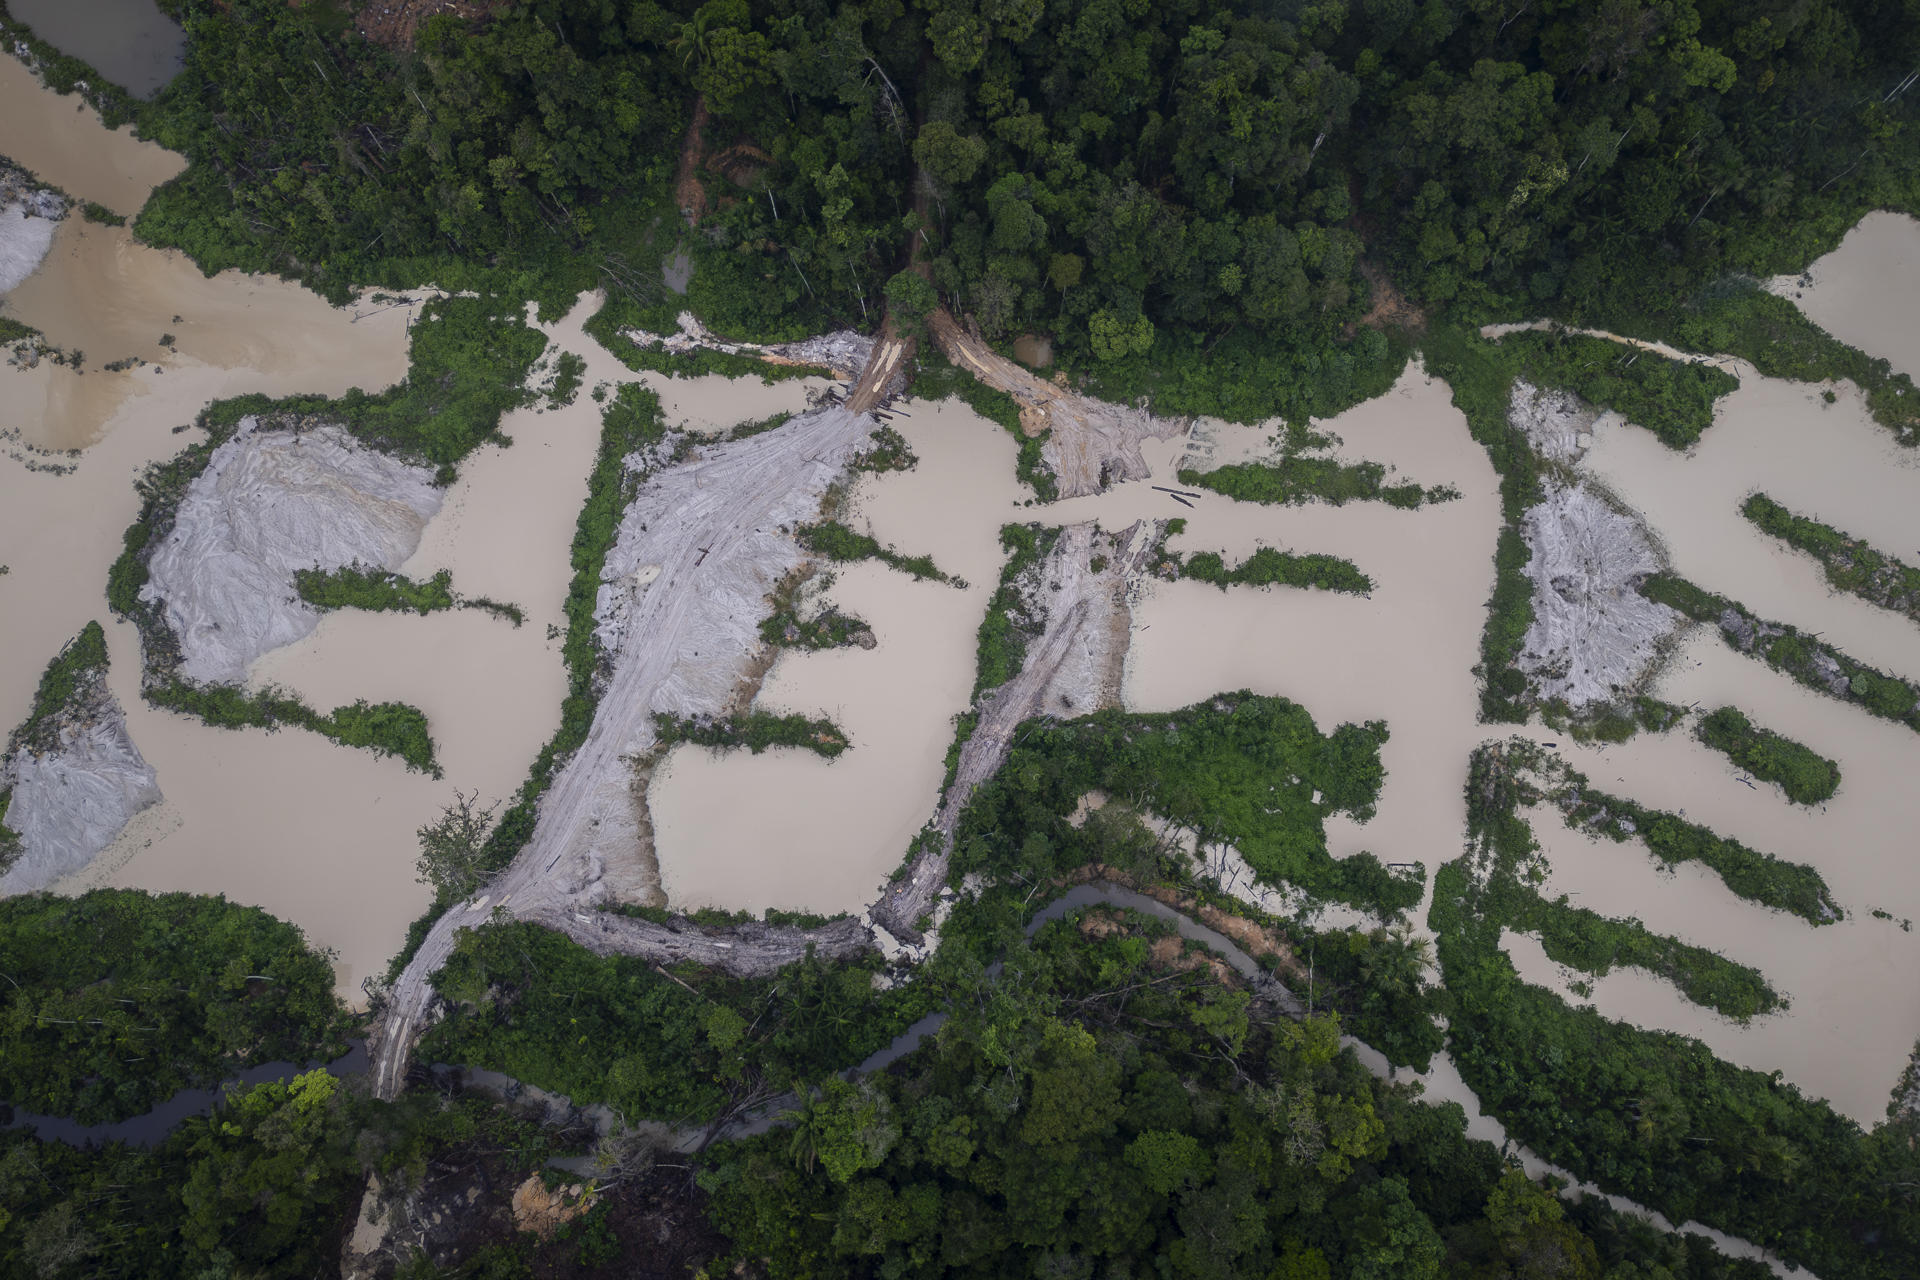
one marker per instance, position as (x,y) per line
(130,42)
(1863,293)
(324,835)
(823,835)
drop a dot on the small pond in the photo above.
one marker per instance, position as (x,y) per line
(130,42)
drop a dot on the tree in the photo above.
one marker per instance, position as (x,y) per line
(452,850)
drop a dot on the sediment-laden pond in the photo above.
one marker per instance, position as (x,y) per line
(324,836)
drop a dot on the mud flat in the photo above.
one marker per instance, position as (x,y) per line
(821,836)
(1862,293)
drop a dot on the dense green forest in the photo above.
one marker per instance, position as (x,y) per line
(1159,185)
(117,999)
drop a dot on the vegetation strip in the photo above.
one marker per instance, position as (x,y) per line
(754,730)
(1271,567)
(1806,776)
(842,545)
(1294,480)
(1596,944)
(1811,661)
(355,587)
(1761,878)
(1850,564)
(1631,1109)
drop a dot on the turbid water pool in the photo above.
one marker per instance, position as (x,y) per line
(130,42)
(324,836)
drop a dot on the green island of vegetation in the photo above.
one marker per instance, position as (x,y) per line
(355,587)
(755,730)
(1850,564)
(1810,661)
(1272,567)
(1295,479)
(1806,776)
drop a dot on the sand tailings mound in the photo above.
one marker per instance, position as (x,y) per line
(269,503)
(28,214)
(69,803)
(1593,636)
(682,594)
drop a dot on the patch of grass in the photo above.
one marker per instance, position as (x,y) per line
(1271,567)
(100,213)
(754,730)
(889,452)
(1806,776)
(12,330)
(376,589)
(1850,564)
(355,587)
(829,629)
(568,370)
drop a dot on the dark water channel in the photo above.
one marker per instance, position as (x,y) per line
(152,1128)
(130,42)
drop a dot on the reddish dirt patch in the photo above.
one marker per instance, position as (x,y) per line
(394,23)
(1390,309)
(688,193)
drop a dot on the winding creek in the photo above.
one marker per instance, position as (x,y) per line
(1440,1085)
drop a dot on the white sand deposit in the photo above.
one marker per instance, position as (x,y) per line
(1593,636)
(269,503)
(71,802)
(28,217)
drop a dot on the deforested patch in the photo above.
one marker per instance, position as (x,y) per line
(271,503)
(1558,424)
(1593,637)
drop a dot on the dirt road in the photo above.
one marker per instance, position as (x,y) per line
(1093,443)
